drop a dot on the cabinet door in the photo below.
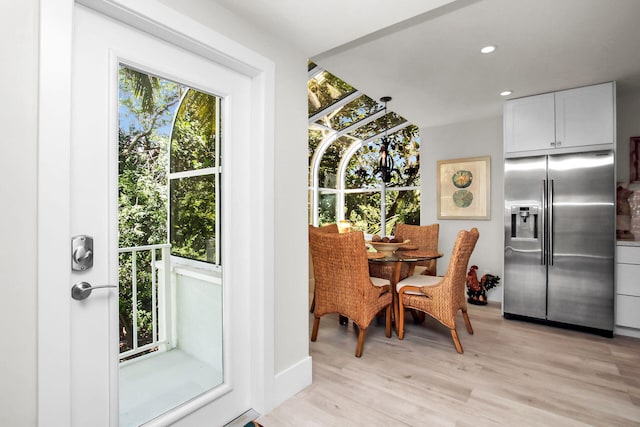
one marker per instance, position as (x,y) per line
(529,123)
(628,311)
(584,116)
(627,286)
(627,279)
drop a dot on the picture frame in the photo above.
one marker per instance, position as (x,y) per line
(634,159)
(464,188)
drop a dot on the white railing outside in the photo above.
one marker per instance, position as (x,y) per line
(160,297)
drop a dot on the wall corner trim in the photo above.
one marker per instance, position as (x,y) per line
(292,380)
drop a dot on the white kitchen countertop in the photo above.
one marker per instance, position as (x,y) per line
(628,242)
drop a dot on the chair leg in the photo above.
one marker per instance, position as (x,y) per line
(456,341)
(361,337)
(388,322)
(314,332)
(313,304)
(396,312)
(400,320)
(467,321)
(418,316)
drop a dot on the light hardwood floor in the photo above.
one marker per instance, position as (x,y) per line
(512,373)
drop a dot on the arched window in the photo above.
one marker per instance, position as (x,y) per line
(194,178)
(346,133)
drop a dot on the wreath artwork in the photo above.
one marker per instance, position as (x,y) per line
(477,290)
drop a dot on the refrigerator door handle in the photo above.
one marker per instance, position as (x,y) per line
(543,238)
(550,210)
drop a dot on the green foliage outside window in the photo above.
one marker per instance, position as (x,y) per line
(193,198)
(330,161)
(145,110)
(356,110)
(193,217)
(327,208)
(363,208)
(194,131)
(147,121)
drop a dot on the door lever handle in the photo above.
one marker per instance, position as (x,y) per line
(82,290)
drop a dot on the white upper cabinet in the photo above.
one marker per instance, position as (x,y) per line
(565,119)
(584,116)
(529,123)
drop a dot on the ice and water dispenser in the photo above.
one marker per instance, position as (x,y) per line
(524,222)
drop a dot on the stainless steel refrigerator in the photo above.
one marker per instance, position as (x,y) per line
(560,239)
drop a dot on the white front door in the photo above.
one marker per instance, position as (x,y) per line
(100,46)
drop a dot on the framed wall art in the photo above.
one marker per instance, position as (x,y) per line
(634,155)
(464,187)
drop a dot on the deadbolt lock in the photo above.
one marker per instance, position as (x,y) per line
(81,253)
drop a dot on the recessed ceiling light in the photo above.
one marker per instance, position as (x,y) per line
(488,49)
(505,93)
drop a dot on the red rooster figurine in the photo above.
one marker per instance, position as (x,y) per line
(477,290)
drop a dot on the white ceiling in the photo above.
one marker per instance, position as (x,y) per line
(317,26)
(425,54)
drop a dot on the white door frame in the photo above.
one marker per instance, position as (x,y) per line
(54,274)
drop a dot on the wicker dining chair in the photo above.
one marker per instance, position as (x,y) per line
(385,270)
(425,237)
(441,297)
(343,284)
(328,228)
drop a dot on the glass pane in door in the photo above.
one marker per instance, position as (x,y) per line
(170,277)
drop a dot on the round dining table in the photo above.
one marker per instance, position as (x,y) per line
(399,258)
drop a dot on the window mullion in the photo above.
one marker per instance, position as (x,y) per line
(195,172)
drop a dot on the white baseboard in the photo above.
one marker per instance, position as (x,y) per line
(293,380)
(627,332)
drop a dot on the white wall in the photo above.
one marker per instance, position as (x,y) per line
(18,179)
(459,140)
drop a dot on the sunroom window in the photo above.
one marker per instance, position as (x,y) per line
(346,128)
